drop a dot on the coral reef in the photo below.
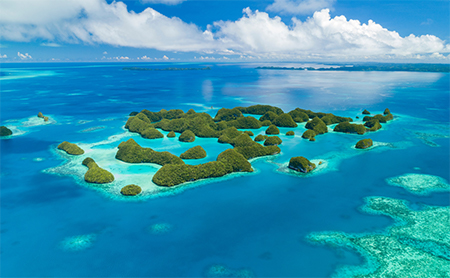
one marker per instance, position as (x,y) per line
(420,184)
(417,245)
(70,148)
(196,152)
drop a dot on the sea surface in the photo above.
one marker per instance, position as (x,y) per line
(53,224)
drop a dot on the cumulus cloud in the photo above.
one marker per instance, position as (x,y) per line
(96,21)
(167,2)
(4,56)
(258,34)
(299,6)
(50,44)
(25,56)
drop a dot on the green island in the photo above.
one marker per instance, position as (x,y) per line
(373,67)
(364,144)
(196,152)
(95,174)
(347,127)
(224,126)
(417,245)
(301,164)
(70,148)
(4,131)
(273,141)
(365,112)
(40,115)
(131,190)
(164,69)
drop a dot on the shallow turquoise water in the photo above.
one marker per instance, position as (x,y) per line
(255,222)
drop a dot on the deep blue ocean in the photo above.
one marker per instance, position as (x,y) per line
(250,224)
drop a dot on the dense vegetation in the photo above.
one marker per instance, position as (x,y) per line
(272,130)
(347,127)
(95,174)
(131,190)
(308,134)
(131,152)
(273,141)
(284,120)
(301,164)
(196,152)
(4,131)
(364,144)
(70,148)
(187,136)
(290,133)
(261,137)
(317,125)
(227,162)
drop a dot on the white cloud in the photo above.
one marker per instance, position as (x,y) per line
(122,58)
(145,58)
(51,44)
(299,6)
(3,56)
(322,36)
(256,35)
(429,21)
(167,2)
(104,52)
(165,57)
(25,56)
(96,21)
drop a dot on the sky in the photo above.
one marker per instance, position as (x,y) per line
(225,30)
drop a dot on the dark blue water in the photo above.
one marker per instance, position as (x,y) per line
(256,222)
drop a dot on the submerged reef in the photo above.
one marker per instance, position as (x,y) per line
(364,144)
(4,131)
(218,270)
(95,174)
(196,152)
(70,148)
(347,127)
(227,162)
(301,164)
(420,184)
(131,152)
(131,190)
(417,245)
(77,243)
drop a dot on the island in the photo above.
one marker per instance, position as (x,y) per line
(273,141)
(290,133)
(301,164)
(70,148)
(196,152)
(364,144)
(131,190)
(40,115)
(95,174)
(4,131)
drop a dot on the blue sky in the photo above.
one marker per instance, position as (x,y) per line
(225,30)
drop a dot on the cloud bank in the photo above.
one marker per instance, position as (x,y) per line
(256,34)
